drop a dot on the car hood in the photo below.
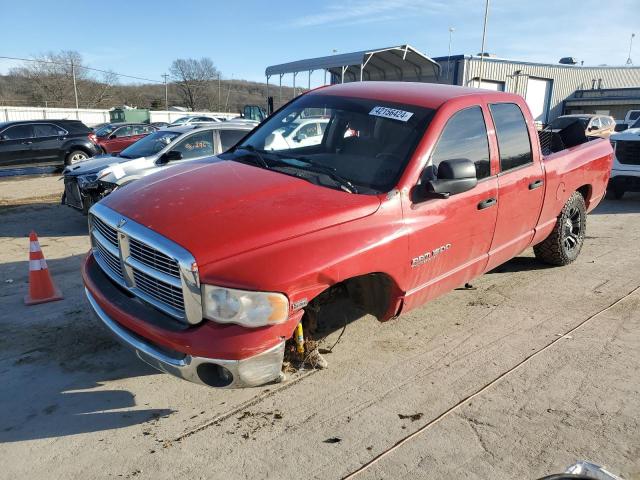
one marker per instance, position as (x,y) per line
(630,134)
(216,210)
(94,165)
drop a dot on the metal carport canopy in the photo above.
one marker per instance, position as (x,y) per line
(393,63)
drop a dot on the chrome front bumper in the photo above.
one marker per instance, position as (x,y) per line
(249,372)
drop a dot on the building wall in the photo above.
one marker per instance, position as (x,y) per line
(566,79)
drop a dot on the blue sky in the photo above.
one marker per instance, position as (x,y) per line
(243,37)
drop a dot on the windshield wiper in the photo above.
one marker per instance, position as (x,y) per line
(256,153)
(331,172)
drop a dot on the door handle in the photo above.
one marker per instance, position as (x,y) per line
(536,184)
(489,202)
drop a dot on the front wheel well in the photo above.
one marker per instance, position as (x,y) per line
(373,293)
(585,191)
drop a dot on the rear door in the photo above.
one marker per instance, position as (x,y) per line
(47,140)
(520,184)
(121,139)
(449,238)
(15,145)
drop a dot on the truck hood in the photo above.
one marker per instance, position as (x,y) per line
(632,134)
(94,165)
(218,209)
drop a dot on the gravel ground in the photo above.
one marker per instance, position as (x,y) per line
(534,369)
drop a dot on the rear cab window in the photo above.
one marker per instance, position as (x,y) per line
(512,134)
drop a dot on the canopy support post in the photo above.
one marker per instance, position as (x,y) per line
(280,93)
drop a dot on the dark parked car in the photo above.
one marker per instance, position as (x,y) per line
(38,142)
(115,137)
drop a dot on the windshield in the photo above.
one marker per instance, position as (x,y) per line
(564,122)
(105,131)
(149,145)
(180,121)
(352,144)
(637,124)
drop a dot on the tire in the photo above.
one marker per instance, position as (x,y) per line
(75,156)
(564,243)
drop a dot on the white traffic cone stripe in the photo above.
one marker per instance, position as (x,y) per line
(37,264)
(34,246)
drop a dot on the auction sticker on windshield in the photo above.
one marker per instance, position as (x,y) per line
(391,113)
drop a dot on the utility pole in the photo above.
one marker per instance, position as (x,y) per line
(219,93)
(484,33)
(75,88)
(451,30)
(166,92)
(629,61)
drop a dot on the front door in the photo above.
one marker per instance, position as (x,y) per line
(15,145)
(520,183)
(449,238)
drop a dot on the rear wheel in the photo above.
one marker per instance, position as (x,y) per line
(564,243)
(75,156)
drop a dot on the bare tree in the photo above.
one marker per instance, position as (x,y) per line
(51,77)
(191,76)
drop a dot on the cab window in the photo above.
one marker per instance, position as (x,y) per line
(512,134)
(197,145)
(228,138)
(18,132)
(44,130)
(123,132)
(464,136)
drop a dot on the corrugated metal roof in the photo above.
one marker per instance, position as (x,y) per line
(391,63)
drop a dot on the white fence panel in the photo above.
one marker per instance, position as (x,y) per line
(91,117)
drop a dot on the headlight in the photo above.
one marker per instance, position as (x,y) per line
(85,181)
(250,309)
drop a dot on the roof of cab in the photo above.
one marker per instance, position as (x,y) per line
(429,95)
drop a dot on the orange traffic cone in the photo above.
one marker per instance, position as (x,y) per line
(41,288)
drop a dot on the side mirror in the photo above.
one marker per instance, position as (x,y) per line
(170,156)
(112,136)
(454,176)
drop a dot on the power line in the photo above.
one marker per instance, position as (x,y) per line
(81,66)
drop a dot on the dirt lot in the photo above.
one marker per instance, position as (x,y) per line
(534,369)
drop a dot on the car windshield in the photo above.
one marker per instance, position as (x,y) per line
(149,145)
(352,144)
(105,131)
(180,121)
(563,122)
(636,124)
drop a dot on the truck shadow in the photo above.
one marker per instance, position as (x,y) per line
(520,264)
(47,219)
(61,371)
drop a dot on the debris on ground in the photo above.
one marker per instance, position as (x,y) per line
(333,440)
(413,417)
(310,358)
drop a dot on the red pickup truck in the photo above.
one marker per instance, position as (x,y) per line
(407,192)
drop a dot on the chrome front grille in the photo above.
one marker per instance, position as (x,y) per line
(153,258)
(159,290)
(151,267)
(107,231)
(111,260)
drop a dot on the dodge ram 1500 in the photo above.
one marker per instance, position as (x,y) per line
(408,191)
